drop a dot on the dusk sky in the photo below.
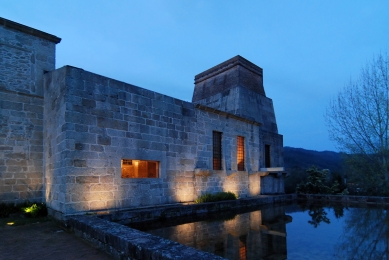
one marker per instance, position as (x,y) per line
(308,50)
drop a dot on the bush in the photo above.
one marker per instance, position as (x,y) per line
(316,184)
(212,197)
(35,210)
(26,208)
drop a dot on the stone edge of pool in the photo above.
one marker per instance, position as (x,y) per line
(373,200)
(123,242)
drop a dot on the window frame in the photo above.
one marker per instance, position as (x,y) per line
(240,153)
(217,150)
(267,156)
(125,173)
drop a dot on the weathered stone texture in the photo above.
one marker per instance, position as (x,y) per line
(233,73)
(180,141)
(63,134)
(25,54)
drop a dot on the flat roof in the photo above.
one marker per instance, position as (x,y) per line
(228,64)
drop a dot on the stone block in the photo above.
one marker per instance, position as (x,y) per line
(103,140)
(97,148)
(97,205)
(106,179)
(79,163)
(88,103)
(112,123)
(9,105)
(19,188)
(102,187)
(79,118)
(87,179)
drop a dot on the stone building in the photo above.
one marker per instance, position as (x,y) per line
(83,142)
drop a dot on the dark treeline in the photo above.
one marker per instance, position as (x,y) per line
(297,161)
(301,158)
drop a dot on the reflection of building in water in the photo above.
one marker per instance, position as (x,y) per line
(254,235)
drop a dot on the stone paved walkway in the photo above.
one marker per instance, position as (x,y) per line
(45,241)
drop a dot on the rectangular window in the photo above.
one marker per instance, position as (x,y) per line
(240,152)
(217,150)
(267,156)
(139,169)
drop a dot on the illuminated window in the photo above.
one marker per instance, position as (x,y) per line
(217,150)
(139,169)
(240,152)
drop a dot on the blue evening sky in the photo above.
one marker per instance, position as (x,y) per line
(308,50)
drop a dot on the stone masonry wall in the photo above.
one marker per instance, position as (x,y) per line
(25,54)
(55,140)
(96,122)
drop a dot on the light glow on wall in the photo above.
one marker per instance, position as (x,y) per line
(231,183)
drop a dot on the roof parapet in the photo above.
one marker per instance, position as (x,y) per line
(29,30)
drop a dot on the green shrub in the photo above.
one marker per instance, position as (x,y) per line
(35,210)
(316,183)
(26,208)
(212,197)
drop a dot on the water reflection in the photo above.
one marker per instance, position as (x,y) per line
(366,235)
(318,212)
(259,234)
(317,232)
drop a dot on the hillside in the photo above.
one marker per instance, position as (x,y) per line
(303,159)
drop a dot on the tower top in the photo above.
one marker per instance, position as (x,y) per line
(235,72)
(228,64)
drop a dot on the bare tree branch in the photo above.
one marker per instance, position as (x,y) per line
(358,119)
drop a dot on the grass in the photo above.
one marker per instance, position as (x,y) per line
(213,197)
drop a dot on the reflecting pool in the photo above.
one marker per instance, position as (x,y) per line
(297,231)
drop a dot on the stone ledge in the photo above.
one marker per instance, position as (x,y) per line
(345,198)
(26,29)
(126,243)
(5,90)
(226,114)
(274,171)
(179,210)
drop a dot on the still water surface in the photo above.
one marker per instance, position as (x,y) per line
(298,231)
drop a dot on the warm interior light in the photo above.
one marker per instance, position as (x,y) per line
(10,223)
(139,169)
(240,152)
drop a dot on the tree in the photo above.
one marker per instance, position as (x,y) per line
(358,121)
(317,184)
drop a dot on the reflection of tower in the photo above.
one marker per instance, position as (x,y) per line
(259,234)
(267,237)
